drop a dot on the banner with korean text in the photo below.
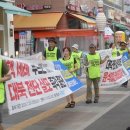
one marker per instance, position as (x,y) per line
(114,73)
(36,82)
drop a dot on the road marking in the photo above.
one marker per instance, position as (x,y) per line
(41,116)
(105,111)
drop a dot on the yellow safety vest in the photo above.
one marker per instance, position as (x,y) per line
(2,88)
(114,52)
(51,55)
(94,69)
(69,64)
(122,51)
(77,56)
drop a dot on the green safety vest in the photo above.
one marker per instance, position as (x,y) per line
(2,88)
(51,55)
(122,51)
(114,52)
(77,56)
(94,69)
(69,64)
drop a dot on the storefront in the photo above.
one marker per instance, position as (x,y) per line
(7,9)
(66,28)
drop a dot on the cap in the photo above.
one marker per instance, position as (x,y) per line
(76,46)
(92,45)
(123,43)
(52,40)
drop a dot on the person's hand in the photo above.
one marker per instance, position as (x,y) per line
(107,57)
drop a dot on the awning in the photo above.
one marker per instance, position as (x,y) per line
(37,21)
(85,19)
(10,8)
(121,26)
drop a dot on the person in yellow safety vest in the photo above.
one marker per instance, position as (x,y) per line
(52,53)
(115,52)
(92,62)
(70,62)
(77,55)
(122,50)
(4,76)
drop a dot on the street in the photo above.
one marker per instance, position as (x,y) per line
(112,112)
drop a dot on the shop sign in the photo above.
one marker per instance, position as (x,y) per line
(74,5)
(33,7)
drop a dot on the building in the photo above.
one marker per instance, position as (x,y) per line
(70,21)
(7,9)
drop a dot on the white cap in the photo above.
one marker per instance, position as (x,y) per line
(75,46)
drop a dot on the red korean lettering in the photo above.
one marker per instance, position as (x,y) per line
(22,69)
(46,85)
(17,91)
(119,74)
(105,77)
(33,88)
(10,64)
(112,77)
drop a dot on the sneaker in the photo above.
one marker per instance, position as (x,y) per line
(96,101)
(88,101)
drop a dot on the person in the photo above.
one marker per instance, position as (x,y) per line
(4,76)
(115,52)
(70,62)
(122,50)
(52,53)
(93,61)
(77,55)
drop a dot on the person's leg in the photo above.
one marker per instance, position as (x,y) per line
(96,89)
(72,100)
(89,91)
(68,102)
(1,127)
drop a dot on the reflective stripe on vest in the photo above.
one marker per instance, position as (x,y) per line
(77,56)
(69,64)
(51,55)
(94,69)
(2,89)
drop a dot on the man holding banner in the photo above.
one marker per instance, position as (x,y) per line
(4,76)
(93,61)
(52,53)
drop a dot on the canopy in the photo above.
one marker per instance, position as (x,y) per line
(11,9)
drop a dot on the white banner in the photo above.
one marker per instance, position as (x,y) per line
(114,73)
(27,93)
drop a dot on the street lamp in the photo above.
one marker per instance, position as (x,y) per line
(101,23)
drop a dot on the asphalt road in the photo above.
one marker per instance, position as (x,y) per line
(117,118)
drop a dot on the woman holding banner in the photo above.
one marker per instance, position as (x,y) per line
(72,66)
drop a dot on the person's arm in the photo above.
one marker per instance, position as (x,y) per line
(5,72)
(58,54)
(102,61)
